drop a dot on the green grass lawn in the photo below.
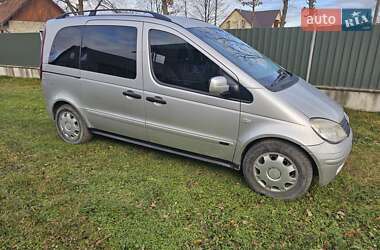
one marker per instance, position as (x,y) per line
(108,194)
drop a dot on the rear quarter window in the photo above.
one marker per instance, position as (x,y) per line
(66,47)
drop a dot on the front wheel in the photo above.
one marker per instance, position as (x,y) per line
(278,169)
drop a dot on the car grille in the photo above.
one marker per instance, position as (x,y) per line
(346,126)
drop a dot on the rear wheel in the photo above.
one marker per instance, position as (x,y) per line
(71,126)
(278,169)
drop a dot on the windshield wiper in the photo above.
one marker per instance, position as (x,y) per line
(282,75)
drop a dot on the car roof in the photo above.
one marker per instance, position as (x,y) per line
(154,17)
(189,22)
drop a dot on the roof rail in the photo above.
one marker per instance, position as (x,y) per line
(116,12)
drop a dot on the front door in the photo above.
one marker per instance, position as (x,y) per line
(180,111)
(111,76)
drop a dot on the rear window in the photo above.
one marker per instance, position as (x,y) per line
(109,50)
(66,47)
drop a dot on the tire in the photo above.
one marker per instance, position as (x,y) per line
(70,125)
(278,169)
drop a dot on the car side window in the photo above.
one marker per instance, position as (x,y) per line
(177,63)
(109,50)
(65,48)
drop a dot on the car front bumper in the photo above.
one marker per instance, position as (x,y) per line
(330,158)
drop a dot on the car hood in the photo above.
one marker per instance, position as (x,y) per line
(311,101)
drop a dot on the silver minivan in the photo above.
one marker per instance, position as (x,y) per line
(187,87)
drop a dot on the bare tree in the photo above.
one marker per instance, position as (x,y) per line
(251,3)
(210,11)
(284,12)
(180,7)
(77,6)
(150,5)
(165,6)
(376,14)
(159,6)
(185,5)
(216,11)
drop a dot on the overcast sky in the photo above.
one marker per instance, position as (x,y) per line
(295,6)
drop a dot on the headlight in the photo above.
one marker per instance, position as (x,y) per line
(328,130)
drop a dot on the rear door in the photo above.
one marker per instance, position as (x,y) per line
(111,75)
(180,111)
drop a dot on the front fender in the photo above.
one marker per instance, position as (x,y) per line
(254,127)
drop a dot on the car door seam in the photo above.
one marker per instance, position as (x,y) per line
(190,134)
(115,117)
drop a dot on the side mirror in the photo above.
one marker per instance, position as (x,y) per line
(219,86)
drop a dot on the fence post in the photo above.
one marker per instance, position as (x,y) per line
(311,53)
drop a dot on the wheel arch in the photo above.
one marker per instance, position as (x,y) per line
(287,140)
(58,103)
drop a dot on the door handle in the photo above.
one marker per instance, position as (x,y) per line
(132,94)
(156,99)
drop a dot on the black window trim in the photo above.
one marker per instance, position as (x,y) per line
(214,60)
(81,29)
(80,48)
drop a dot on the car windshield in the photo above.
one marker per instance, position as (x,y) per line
(259,67)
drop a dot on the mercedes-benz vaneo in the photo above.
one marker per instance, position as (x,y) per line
(187,87)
